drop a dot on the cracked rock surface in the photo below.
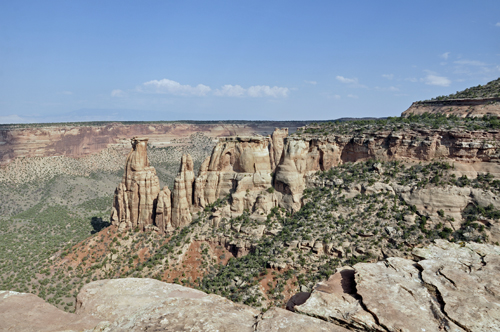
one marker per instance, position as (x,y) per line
(450,287)
(466,279)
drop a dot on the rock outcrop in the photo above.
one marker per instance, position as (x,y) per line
(135,198)
(242,168)
(259,173)
(451,287)
(464,108)
(148,305)
(182,195)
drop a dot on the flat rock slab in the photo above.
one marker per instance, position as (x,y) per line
(115,298)
(22,312)
(280,320)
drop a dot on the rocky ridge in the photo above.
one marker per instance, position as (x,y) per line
(464,108)
(245,168)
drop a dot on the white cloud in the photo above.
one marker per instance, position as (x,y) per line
(432,79)
(230,91)
(445,55)
(311,82)
(13,118)
(265,90)
(353,96)
(253,91)
(347,80)
(411,79)
(66,93)
(470,63)
(167,86)
(498,24)
(336,97)
(117,93)
(388,76)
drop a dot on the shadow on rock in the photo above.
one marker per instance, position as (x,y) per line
(98,224)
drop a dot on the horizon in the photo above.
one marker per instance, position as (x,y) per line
(225,61)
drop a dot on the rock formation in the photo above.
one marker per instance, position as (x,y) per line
(135,198)
(146,304)
(464,108)
(450,287)
(259,173)
(241,167)
(182,195)
(163,218)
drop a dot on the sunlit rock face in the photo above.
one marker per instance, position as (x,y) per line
(241,167)
(182,195)
(135,198)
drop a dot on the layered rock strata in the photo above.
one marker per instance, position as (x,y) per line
(464,108)
(259,173)
(78,140)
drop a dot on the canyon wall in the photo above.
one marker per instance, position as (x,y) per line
(464,108)
(245,169)
(78,140)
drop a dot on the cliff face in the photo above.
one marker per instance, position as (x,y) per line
(81,140)
(245,169)
(238,166)
(464,108)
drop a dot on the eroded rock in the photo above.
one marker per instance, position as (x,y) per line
(135,197)
(452,287)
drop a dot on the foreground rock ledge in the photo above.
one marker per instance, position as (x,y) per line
(134,304)
(451,287)
(448,287)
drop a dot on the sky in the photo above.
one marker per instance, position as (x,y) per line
(151,60)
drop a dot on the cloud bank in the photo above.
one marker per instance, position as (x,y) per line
(166,86)
(432,79)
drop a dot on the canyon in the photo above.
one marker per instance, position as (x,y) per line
(260,173)
(329,220)
(79,139)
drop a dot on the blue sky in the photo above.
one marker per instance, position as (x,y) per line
(256,60)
